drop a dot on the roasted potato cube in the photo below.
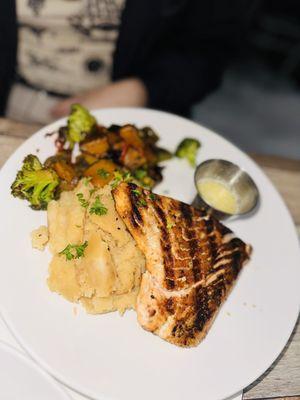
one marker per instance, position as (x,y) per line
(133,158)
(88,158)
(97,147)
(131,136)
(113,138)
(64,171)
(102,172)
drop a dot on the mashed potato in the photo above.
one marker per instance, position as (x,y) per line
(39,238)
(107,277)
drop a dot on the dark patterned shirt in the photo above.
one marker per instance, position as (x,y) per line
(66,46)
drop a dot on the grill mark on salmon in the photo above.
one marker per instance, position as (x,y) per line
(193,242)
(165,245)
(136,216)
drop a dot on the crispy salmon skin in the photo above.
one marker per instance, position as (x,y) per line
(192,262)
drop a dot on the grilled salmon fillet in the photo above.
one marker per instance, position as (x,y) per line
(192,262)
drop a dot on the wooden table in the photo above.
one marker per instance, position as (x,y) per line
(282,380)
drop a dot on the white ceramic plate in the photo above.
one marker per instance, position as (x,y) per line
(21,378)
(111,357)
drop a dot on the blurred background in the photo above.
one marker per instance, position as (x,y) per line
(65,52)
(258,104)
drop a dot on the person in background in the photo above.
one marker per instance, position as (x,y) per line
(164,54)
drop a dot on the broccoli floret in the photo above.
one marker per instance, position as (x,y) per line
(80,124)
(35,183)
(188,149)
(31,163)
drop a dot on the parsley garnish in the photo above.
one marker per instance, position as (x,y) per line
(98,207)
(84,203)
(142,203)
(121,176)
(117,179)
(103,173)
(87,180)
(136,192)
(169,225)
(152,196)
(127,177)
(74,251)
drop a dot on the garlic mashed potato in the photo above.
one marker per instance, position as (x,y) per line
(106,276)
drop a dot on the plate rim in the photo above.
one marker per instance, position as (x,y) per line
(95,396)
(32,364)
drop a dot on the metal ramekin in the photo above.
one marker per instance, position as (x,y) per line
(235,178)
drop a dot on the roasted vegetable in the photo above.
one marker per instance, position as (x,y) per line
(148,135)
(62,165)
(102,172)
(143,178)
(80,124)
(150,156)
(97,147)
(188,149)
(85,159)
(113,138)
(64,155)
(131,137)
(35,183)
(162,154)
(104,155)
(132,158)
(64,171)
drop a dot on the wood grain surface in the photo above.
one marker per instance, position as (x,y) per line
(283,377)
(286,398)
(285,174)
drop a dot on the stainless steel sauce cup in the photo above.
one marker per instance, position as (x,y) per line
(236,179)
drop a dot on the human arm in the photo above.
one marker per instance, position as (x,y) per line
(184,63)
(129,92)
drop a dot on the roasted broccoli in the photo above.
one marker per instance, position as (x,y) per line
(35,183)
(188,149)
(80,124)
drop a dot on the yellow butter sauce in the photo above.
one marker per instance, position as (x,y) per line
(218,195)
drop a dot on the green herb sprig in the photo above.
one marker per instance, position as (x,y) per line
(84,203)
(73,251)
(170,225)
(103,173)
(87,180)
(121,176)
(142,203)
(136,192)
(98,207)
